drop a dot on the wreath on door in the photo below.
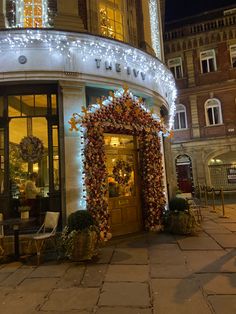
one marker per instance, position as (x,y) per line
(122,172)
(31,149)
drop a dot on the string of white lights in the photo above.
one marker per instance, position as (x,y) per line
(155,32)
(88,46)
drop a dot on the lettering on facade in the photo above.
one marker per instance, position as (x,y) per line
(117,67)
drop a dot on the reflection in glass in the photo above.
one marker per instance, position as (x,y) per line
(1,106)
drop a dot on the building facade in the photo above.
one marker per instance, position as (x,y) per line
(200,51)
(60,63)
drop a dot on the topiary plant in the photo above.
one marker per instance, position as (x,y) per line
(80,220)
(178,204)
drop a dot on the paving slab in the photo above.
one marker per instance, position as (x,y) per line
(211,261)
(123,310)
(105,255)
(170,257)
(10,267)
(218,283)
(217,230)
(169,271)
(225,240)
(158,238)
(71,299)
(229,226)
(22,302)
(181,296)
(198,243)
(51,270)
(17,277)
(37,284)
(130,256)
(223,304)
(72,277)
(125,294)
(138,273)
(94,275)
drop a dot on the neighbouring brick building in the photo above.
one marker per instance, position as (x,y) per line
(201,53)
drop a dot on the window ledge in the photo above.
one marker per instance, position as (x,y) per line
(178,130)
(212,125)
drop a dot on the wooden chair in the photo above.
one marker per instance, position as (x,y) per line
(46,232)
(1,236)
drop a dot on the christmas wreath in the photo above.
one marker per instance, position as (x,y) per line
(122,172)
(31,149)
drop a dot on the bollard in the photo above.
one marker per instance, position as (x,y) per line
(223,204)
(205,190)
(213,201)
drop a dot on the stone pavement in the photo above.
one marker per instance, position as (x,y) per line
(139,274)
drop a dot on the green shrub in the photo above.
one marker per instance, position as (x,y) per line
(178,204)
(80,220)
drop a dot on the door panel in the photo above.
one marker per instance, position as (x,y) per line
(124,198)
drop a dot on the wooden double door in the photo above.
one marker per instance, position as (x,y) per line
(123,184)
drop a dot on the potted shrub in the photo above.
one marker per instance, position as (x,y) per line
(179,219)
(80,236)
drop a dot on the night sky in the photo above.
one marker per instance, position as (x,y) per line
(176,9)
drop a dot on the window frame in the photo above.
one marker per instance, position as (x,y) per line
(207,58)
(208,106)
(175,66)
(20,16)
(233,55)
(180,108)
(111,5)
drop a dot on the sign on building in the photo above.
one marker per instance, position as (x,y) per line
(231,175)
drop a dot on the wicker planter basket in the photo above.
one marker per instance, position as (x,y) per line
(182,223)
(84,246)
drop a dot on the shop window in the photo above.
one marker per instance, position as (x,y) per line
(180,118)
(111,14)
(31,13)
(175,65)
(233,56)
(208,61)
(213,112)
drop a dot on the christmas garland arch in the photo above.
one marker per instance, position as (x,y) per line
(122,113)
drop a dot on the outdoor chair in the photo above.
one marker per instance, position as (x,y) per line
(1,236)
(46,232)
(193,205)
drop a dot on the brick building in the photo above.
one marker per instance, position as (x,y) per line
(201,53)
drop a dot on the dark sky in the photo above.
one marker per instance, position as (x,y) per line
(176,9)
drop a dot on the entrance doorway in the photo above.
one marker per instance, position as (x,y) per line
(123,183)
(184,173)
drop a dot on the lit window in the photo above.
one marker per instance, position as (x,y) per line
(175,65)
(31,13)
(111,15)
(180,118)
(208,61)
(213,112)
(233,56)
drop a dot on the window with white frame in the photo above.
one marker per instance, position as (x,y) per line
(175,65)
(213,112)
(208,61)
(31,13)
(233,55)
(180,121)
(111,18)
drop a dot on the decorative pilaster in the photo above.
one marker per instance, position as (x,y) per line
(68,17)
(194,116)
(190,68)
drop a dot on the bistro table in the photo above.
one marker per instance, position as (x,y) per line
(15,224)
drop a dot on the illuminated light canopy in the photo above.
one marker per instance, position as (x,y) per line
(88,48)
(155,29)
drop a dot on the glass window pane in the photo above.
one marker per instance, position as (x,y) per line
(216,115)
(204,66)
(54,104)
(55,157)
(182,120)
(178,72)
(40,105)
(211,65)
(176,122)
(14,106)
(210,116)
(27,103)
